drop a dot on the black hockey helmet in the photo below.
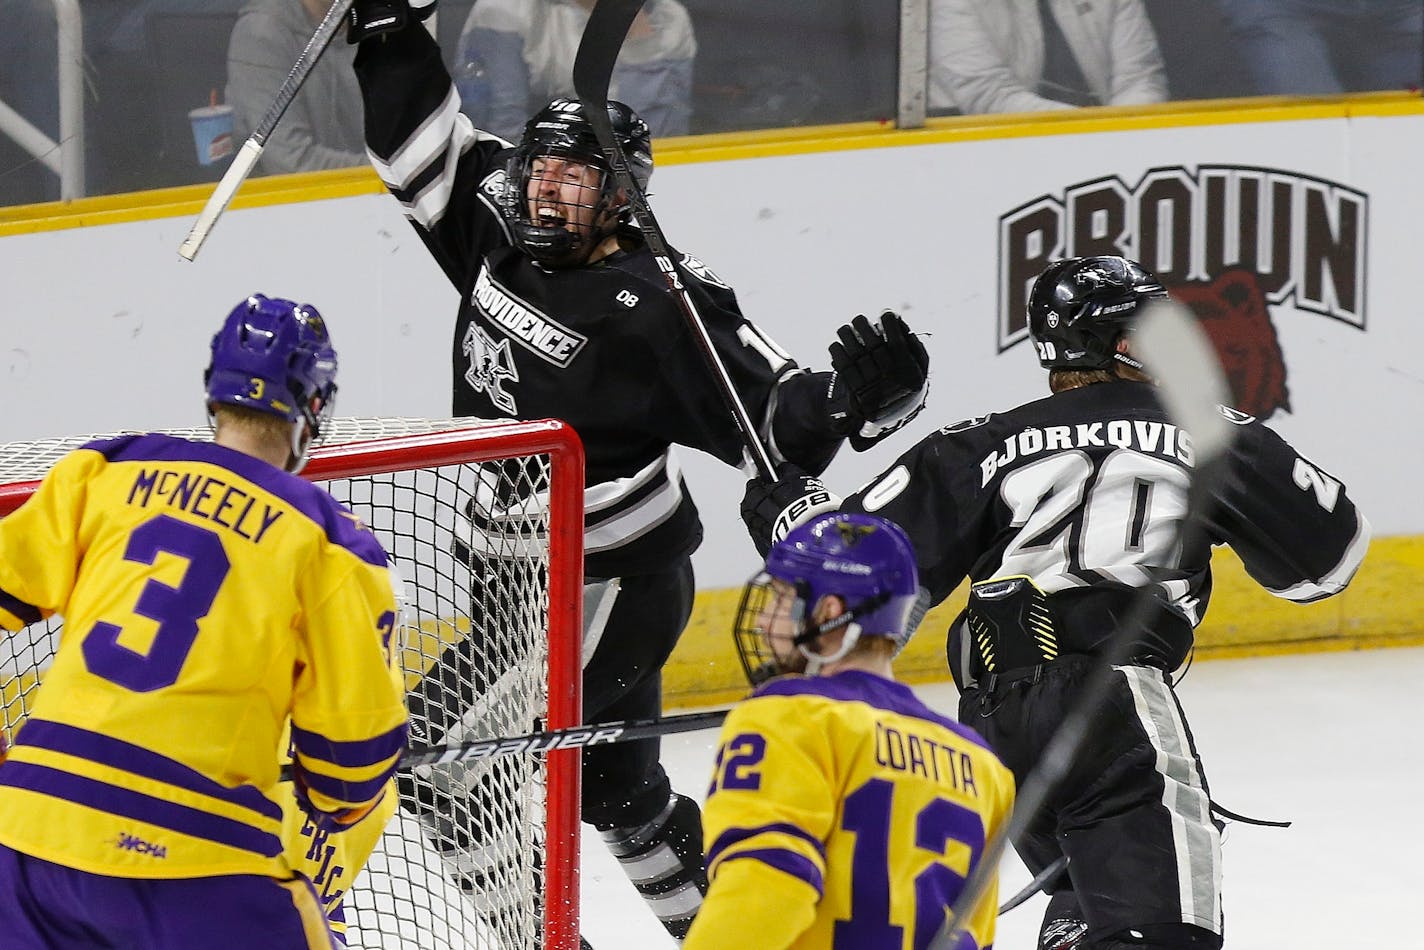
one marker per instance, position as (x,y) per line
(1080,307)
(562,130)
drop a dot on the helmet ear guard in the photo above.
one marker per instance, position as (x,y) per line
(1080,307)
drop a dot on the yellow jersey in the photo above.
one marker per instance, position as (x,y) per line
(844,813)
(207,597)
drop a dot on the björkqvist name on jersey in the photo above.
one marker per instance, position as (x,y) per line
(538,334)
(1154,438)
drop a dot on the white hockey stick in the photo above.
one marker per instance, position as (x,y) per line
(1171,343)
(251,150)
(593,70)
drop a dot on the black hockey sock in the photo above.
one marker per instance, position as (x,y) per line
(663,859)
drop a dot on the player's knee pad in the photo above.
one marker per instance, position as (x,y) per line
(663,859)
(1160,937)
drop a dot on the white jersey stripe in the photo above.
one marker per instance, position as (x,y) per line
(1195,839)
(1335,580)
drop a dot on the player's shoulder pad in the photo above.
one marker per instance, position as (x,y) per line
(492,186)
(965,424)
(702,272)
(1235,416)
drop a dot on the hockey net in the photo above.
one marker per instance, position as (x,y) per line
(484,521)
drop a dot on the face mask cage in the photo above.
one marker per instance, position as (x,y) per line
(567,234)
(763,604)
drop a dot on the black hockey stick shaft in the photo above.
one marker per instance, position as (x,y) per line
(251,150)
(1039,882)
(593,70)
(574,737)
(1191,384)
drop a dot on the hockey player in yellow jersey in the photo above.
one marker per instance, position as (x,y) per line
(843,812)
(209,596)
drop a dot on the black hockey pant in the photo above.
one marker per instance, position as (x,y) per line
(1132,813)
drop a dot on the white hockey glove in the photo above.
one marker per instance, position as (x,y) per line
(370,18)
(770,509)
(881,378)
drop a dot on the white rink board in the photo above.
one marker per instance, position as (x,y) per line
(105,327)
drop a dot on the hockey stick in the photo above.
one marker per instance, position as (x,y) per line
(593,70)
(251,150)
(574,737)
(1191,384)
(1037,884)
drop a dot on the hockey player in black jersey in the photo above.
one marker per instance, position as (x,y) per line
(565,314)
(1057,512)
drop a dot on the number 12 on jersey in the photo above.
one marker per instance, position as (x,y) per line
(868,816)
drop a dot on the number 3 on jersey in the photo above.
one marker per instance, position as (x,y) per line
(176,609)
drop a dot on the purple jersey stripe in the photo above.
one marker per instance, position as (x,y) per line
(27,613)
(117,754)
(797,865)
(341,789)
(126,803)
(863,687)
(360,754)
(734,836)
(342,529)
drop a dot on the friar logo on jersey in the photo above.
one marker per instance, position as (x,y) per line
(490,366)
(1236,243)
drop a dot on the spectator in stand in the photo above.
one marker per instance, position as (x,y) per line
(28,85)
(1036,55)
(1320,47)
(322,127)
(516,55)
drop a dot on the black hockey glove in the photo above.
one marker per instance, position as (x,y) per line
(772,508)
(370,18)
(882,378)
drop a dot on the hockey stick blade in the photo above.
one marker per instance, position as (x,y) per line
(602,38)
(1192,388)
(553,740)
(251,150)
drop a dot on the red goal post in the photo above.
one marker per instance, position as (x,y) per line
(484,521)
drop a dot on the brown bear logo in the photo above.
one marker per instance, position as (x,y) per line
(1234,314)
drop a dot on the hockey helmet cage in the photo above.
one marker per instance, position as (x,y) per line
(562,130)
(1080,307)
(865,560)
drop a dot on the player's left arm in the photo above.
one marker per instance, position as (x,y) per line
(348,707)
(1295,528)
(40,544)
(767,815)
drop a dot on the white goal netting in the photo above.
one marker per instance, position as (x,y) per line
(474,852)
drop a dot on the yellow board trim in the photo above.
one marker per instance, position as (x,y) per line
(188,200)
(1383,607)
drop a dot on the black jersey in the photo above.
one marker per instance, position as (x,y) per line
(603,347)
(1085,491)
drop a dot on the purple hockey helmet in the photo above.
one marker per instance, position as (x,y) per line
(274,356)
(865,560)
